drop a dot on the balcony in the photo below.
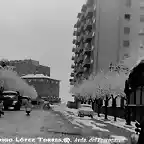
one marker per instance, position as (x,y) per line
(75,26)
(75,70)
(84,7)
(80,58)
(74,41)
(72,66)
(88,24)
(81,26)
(78,23)
(79,14)
(87,62)
(89,12)
(72,74)
(73,49)
(76,50)
(78,41)
(89,36)
(79,70)
(75,33)
(73,57)
(80,48)
(88,48)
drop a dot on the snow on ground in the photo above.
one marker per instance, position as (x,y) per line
(81,122)
(121,123)
(85,123)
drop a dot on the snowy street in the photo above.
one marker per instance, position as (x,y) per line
(97,126)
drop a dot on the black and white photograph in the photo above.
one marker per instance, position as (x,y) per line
(72,71)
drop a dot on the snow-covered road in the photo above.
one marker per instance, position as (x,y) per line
(96,124)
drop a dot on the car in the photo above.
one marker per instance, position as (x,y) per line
(11,99)
(85,110)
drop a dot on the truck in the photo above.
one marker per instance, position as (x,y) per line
(11,99)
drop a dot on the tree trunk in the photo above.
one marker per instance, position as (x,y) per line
(128,113)
(99,110)
(114,108)
(99,107)
(106,105)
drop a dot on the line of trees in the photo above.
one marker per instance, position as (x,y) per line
(107,86)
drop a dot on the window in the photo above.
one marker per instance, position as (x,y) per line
(141,44)
(141,18)
(142,5)
(126,30)
(127,16)
(128,3)
(126,55)
(126,43)
(141,32)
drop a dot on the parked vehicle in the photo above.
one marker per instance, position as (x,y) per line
(71,104)
(11,99)
(46,105)
(85,110)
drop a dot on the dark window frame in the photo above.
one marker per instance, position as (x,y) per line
(126,30)
(126,43)
(142,18)
(127,16)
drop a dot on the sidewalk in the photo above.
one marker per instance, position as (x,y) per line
(97,125)
(120,123)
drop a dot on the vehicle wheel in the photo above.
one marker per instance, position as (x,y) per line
(91,116)
(82,115)
(17,106)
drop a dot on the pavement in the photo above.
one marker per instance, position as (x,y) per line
(52,126)
(97,126)
(41,127)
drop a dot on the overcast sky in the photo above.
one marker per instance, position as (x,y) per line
(40,30)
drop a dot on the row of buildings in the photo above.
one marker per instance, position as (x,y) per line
(38,76)
(106,32)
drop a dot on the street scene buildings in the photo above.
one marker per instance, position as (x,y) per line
(106,32)
(106,35)
(38,76)
(106,79)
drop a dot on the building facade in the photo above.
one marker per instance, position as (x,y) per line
(24,67)
(46,87)
(107,31)
(38,76)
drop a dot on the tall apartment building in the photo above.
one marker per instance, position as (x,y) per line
(106,32)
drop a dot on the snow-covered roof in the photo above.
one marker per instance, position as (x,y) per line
(37,76)
(10,92)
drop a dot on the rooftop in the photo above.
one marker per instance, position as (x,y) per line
(38,76)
